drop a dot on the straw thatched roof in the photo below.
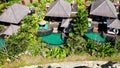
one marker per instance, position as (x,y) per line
(12,29)
(59,8)
(103,8)
(114,23)
(14,14)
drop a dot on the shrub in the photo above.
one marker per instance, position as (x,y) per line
(99,49)
(56,52)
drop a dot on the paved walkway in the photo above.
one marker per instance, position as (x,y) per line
(78,64)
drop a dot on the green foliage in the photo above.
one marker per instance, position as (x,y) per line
(34,49)
(90,47)
(3,56)
(2,26)
(56,52)
(117,45)
(80,22)
(50,1)
(81,4)
(40,9)
(75,43)
(25,39)
(104,50)
(28,32)
(13,45)
(99,49)
(5,3)
(2,7)
(69,1)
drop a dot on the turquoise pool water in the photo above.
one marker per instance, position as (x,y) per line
(2,42)
(53,39)
(43,27)
(95,36)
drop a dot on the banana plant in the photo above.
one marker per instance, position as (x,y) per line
(104,50)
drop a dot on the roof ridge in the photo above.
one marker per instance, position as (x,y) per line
(13,12)
(109,6)
(64,8)
(98,6)
(55,3)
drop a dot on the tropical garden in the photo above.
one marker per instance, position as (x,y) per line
(26,41)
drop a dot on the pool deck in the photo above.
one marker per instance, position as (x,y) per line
(53,39)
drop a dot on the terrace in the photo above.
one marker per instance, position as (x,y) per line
(103,19)
(58,23)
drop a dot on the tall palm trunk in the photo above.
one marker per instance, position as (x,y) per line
(23,2)
(119,6)
(119,10)
(39,1)
(31,1)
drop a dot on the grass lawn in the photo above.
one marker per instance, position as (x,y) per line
(27,60)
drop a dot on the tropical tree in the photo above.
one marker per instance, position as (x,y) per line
(75,41)
(99,49)
(56,52)
(117,45)
(26,38)
(80,22)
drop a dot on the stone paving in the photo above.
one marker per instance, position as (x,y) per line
(78,64)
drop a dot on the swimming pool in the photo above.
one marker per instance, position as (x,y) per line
(2,42)
(95,36)
(43,27)
(53,39)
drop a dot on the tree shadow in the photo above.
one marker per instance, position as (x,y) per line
(81,67)
(109,64)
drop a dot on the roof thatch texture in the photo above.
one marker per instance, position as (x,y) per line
(12,29)
(103,8)
(14,14)
(59,8)
(114,23)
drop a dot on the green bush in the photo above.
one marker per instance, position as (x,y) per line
(56,52)
(99,49)
(105,49)
(2,7)
(117,45)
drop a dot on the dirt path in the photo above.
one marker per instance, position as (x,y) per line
(79,64)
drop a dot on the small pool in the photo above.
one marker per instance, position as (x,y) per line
(53,39)
(2,42)
(43,27)
(95,36)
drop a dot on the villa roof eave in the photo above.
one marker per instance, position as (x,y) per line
(14,14)
(12,29)
(103,8)
(114,23)
(57,9)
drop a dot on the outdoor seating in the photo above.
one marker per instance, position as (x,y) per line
(55,30)
(113,31)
